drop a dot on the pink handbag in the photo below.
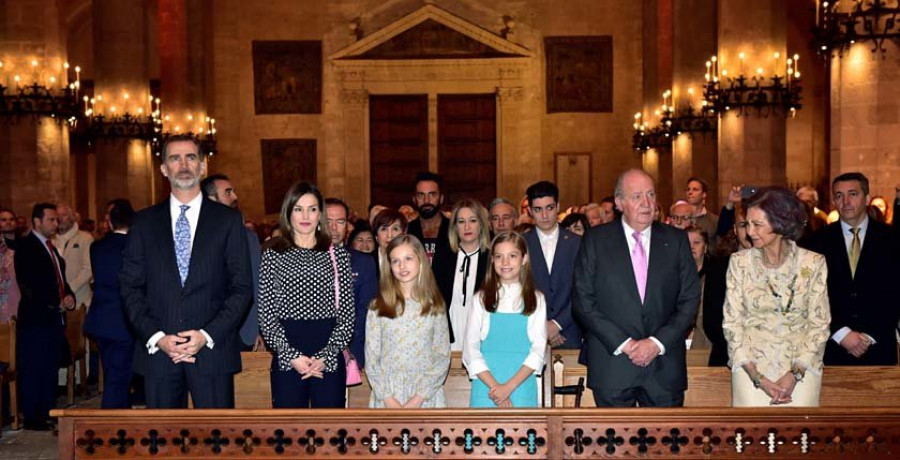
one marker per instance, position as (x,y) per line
(353,375)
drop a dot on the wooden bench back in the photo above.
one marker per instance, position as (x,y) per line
(8,343)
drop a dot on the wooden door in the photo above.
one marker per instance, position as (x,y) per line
(467,146)
(399,146)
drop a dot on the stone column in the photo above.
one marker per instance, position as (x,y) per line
(695,38)
(124,167)
(34,152)
(657,72)
(752,149)
(865,116)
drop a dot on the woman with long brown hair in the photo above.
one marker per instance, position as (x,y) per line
(506,334)
(306,308)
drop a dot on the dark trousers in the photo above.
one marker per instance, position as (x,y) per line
(649,394)
(288,388)
(170,390)
(116,357)
(38,350)
(290,391)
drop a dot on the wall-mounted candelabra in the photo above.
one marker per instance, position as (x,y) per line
(672,123)
(756,93)
(840,24)
(52,92)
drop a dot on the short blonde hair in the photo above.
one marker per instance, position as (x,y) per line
(484,238)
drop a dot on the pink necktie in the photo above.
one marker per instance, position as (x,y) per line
(639,263)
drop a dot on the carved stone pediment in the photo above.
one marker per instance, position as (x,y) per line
(431,33)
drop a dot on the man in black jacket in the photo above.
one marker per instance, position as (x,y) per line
(40,338)
(863,261)
(185,282)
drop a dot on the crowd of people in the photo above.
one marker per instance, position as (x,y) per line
(773,286)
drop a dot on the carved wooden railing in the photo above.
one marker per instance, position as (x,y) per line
(869,433)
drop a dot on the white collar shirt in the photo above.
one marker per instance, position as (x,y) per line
(548,245)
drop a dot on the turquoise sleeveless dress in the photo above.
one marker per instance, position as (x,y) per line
(505,349)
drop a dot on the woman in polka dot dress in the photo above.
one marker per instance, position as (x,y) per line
(306,316)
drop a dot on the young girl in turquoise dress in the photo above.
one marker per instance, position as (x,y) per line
(506,332)
(407,332)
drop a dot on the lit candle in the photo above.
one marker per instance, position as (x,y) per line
(17,79)
(126,97)
(775,68)
(52,82)
(86,99)
(715,62)
(34,71)
(691,99)
(741,59)
(98,105)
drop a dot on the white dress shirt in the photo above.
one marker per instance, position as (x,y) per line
(478,325)
(460,303)
(645,242)
(848,242)
(548,245)
(193,216)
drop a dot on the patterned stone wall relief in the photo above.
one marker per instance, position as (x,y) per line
(579,74)
(287,77)
(285,161)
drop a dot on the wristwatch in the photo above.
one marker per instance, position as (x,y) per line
(756,379)
(798,374)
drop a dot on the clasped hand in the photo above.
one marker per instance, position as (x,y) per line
(308,367)
(641,352)
(182,347)
(499,394)
(780,391)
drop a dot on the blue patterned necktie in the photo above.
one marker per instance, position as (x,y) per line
(183,243)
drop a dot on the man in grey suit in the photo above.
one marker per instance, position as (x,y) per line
(218,188)
(552,250)
(636,293)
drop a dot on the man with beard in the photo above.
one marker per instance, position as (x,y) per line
(185,285)
(431,228)
(8,227)
(219,188)
(75,247)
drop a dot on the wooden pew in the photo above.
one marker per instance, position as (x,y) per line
(688,433)
(252,389)
(842,386)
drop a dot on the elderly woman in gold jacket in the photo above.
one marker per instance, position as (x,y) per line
(776,312)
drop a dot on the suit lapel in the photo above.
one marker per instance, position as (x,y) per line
(620,252)
(659,249)
(200,238)
(538,263)
(843,259)
(561,243)
(167,242)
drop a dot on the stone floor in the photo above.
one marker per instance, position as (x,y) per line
(24,444)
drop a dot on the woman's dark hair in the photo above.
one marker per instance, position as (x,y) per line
(387,217)
(575,217)
(785,212)
(286,240)
(359,226)
(703,233)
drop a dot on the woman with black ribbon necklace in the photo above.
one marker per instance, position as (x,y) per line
(460,266)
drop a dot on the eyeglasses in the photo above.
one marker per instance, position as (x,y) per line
(682,218)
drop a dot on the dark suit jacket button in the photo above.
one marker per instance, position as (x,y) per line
(852,295)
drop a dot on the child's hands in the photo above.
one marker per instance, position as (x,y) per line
(392,403)
(500,394)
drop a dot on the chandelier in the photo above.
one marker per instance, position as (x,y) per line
(841,24)
(672,123)
(52,92)
(757,92)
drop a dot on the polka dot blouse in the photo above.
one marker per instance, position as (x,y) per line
(298,284)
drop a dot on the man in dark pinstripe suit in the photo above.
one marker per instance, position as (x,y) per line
(185,281)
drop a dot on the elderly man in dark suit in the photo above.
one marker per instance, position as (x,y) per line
(552,250)
(105,320)
(636,293)
(41,274)
(863,261)
(185,281)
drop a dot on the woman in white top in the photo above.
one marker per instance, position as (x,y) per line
(460,266)
(506,334)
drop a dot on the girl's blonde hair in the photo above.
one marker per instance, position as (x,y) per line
(390,302)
